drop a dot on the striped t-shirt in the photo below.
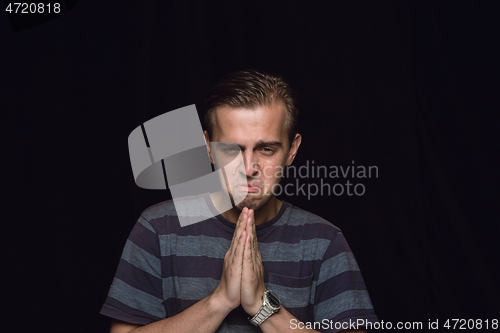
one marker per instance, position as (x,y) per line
(165,268)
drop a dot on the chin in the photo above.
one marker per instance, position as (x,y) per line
(254,204)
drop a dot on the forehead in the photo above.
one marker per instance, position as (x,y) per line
(244,126)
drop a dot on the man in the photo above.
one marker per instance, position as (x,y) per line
(263,265)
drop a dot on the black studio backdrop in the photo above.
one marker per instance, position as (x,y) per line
(408,86)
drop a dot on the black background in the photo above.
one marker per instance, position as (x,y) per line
(411,87)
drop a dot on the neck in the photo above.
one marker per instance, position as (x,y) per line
(264,214)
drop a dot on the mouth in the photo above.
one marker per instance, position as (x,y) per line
(247,188)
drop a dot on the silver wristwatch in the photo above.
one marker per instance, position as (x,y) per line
(270,304)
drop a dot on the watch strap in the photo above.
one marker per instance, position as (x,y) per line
(261,315)
(266,310)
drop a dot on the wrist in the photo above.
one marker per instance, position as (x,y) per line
(255,306)
(219,303)
(270,305)
(252,310)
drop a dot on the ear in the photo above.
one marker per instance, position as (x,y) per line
(207,142)
(294,147)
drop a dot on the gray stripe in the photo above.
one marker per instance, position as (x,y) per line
(146,224)
(216,247)
(136,298)
(336,265)
(348,300)
(141,259)
(187,288)
(284,218)
(193,246)
(291,297)
(310,249)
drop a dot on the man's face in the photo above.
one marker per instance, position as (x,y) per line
(262,136)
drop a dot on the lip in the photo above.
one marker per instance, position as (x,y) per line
(247,188)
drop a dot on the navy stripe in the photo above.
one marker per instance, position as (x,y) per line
(208,227)
(338,284)
(301,314)
(351,299)
(137,278)
(136,298)
(225,328)
(142,259)
(115,309)
(338,245)
(191,267)
(177,305)
(203,266)
(145,239)
(284,233)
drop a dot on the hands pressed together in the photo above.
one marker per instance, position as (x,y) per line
(242,280)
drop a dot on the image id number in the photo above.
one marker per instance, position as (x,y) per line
(32,8)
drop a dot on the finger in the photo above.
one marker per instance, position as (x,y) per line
(258,261)
(240,247)
(250,232)
(253,232)
(248,225)
(238,229)
(243,213)
(241,226)
(238,222)
(247,255)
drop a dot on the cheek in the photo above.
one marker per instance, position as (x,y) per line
(271,171)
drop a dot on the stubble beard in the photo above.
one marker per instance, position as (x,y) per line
(255,204)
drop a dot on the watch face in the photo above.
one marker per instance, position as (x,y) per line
(273,299)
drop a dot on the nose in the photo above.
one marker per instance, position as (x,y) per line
(252,165)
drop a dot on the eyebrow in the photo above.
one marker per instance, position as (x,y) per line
(262,143)
(268,143)
(259,144)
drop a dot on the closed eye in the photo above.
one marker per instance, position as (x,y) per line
(231,151)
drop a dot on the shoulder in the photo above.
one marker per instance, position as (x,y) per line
(311,222)
(162,209)
(168,216)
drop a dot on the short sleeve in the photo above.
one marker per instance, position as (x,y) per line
(341,298)
(135,295)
